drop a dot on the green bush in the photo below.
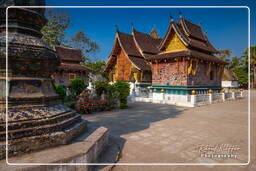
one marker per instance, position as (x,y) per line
(77,86)
(123,91)
(101,86)
(61,91)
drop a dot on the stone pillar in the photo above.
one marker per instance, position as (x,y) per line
(241,92)
(154,97)
(162,94)
(233,93)
(223,96)
(210,96)
(193,100)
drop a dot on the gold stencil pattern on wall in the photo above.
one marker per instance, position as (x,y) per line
(209,69)
(190,68)
(194,72)
(175,44)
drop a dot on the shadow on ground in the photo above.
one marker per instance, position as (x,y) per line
(137,117)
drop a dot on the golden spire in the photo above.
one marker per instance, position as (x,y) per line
(154,33)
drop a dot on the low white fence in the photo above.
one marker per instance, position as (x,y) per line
(188,100)
(217,97)
(202,98)
(228,95)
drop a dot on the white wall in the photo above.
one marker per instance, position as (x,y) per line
(229,84)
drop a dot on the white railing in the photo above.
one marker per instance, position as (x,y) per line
(228,95)
(202,98)
(188,100)
(238,94)
(217,97)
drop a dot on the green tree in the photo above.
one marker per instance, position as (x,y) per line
(123,91)
(252,62)
(81,41)
(234,63)
(237,64)
(225,54)
(77,86)
(60,90)
(242,75)
(54,31)
(97,66)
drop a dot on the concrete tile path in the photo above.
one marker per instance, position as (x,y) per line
(155,133)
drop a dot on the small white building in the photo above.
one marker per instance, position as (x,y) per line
(229,79)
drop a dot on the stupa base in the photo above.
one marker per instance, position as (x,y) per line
(57,125)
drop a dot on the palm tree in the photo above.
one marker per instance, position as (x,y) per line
(252,62)
(225,54)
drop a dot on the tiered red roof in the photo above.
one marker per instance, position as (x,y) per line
(70,60)
(137,46)
(193,38)
(141,47)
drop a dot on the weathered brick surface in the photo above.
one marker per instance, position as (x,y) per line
(201,77)
(164,73)
(82,152)
(177,75)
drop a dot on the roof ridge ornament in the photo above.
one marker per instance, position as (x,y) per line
(116,26)
(180,13)
(132,26)
(171,17)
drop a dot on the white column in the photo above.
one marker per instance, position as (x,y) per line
(223,97)
(154,94)
(162,94)
(193,100)
(233,95)
(241,93)
(210,98)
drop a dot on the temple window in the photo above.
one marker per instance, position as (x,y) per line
(211,75)
(72,76)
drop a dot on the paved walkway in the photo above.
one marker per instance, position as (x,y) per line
(154,133)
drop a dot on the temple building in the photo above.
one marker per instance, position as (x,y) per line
(229,79)
(127,60)
(185,61)
(70,67)
(181,64)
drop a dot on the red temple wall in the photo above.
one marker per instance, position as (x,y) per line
(123,67)
(169,73)
(201,78)
(164,73)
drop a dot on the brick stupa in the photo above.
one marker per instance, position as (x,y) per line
(35,119)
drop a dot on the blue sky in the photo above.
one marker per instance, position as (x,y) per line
(227,28)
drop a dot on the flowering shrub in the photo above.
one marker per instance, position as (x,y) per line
(88,103)
(85,102)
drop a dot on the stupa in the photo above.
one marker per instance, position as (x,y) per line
(35,119)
